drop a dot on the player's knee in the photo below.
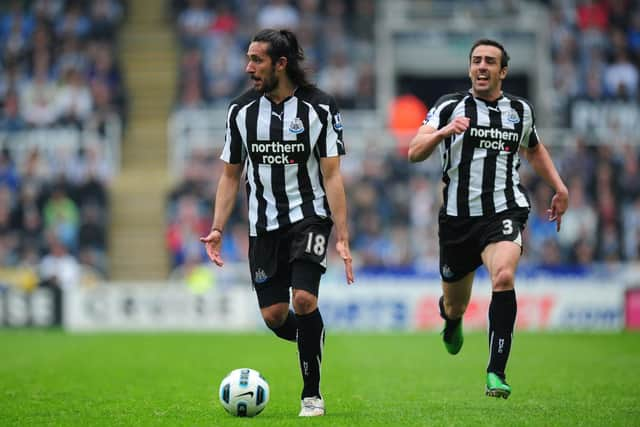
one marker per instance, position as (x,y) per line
(503,280)
(274,318)
(304,302)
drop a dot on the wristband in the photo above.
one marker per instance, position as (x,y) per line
(216,229)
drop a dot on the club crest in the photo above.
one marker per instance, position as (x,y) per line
(512,116)
(296,126)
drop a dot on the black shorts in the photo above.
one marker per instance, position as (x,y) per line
(462,239)
(294,256)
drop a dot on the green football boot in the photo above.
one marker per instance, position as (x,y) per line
(497,387)
(452,332)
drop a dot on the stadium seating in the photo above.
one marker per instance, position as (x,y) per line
(63,105)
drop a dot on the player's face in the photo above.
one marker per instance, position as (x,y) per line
(486,73)
(261,68)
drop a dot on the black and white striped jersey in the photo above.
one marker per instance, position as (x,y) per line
(480,166)
(281,146)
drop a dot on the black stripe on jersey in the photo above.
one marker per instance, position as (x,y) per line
(445,114)
(325,201)
(304,181)
(252,135)
(235,149)
(464,170)
(322,147)
(322,139)
(489,166)
(278,186)
(508,192)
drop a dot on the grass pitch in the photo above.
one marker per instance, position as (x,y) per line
(54,378)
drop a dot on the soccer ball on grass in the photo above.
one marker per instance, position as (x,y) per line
(244,392)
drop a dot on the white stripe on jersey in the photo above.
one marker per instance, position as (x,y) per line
(267,193)
(291,171)
(253,201)
(477,166)
(314,132)
(290,113)
(263,132)
(456,156)
(312,165)
(226,150)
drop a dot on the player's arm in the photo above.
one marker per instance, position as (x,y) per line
(225,201)
(428,138)
(334,188)
(539,158)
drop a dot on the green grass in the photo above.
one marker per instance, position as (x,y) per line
(54,378)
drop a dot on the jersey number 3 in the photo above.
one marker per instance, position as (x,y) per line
(507,227)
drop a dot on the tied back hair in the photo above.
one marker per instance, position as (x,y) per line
(283,43)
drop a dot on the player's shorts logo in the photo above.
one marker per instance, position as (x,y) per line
(260,276)
(447,273)
(296,126)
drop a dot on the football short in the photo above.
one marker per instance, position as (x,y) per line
(292,257)
(462,240)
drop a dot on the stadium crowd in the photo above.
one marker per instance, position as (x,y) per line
(58,71)
(393,206)
(336,35)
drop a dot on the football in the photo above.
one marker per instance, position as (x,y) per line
(244,392)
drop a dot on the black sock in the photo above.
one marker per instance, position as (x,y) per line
(289,329)
(310,343)
(502,317)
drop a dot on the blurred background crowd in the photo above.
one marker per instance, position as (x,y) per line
(59,69)
(59,76)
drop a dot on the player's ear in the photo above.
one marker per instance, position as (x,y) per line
(281,63)
(503,72)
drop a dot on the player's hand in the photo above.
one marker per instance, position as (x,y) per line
(212,243)
(457,126)
(342,247)
(559,205)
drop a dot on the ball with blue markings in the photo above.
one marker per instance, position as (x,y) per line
(244,392)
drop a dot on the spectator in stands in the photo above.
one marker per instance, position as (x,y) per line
(580,222)
(61,217)
(73,22)
(74,100)
(105,16)
(194,22)
(72,56)
(185,230)
(10,118)
(58,268)
(278,14)
(339,78)
(9,176)
(38,97)
(47,10)
(621,77)
(104,70)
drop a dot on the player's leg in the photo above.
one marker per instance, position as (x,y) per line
(459,258)
(308,256)
(305,279)
(453,303)
(272,286)
(501,259)
(281,320)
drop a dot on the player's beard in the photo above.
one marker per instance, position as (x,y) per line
(270,84)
